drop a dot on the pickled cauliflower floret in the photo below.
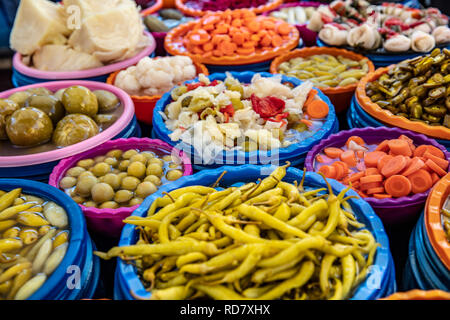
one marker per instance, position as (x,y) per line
(152,77)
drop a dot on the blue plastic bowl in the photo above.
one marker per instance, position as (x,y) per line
(79,253)
(358,118)
(126,276)
(41,172)
(382,60)
(424,270)
(295,153)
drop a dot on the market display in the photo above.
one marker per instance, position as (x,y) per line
(33,242)
(325,70)
(152,77)
(230,34)
(294,15)
(51,39)
(417,89)
(380,28)
(37,116)
(119,178)
(391,169)
(265,114)
(271,240)
(165,20)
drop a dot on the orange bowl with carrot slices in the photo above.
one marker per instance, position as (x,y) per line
(390,168)
(419,295)
(340,96)
(144,105)
(196,10)
(237,37)
(434,220)
(387,117)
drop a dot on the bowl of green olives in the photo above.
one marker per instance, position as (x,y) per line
(43,123)
(110,181)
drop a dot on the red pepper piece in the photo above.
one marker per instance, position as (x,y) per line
(267,107)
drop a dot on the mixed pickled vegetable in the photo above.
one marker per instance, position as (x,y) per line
(34,236)
(119,178)
(446,217)
(165,20)
(229,115)
(325,70)
(266,240)
(37,116)
(417,89)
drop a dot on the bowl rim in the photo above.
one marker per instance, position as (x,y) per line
(382,257)
(388,117)
(270,4)
(57,154)
(156,7)
(77,225)
(282,152)
(433,223)
(371,131)
(20,67)
(150,145)
(311,51)
(173,48)
(417,294)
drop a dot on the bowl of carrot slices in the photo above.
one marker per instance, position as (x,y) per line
(390,168)
(232,38)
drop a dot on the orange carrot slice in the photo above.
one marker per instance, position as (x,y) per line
(356,139)
(381,196)
(371,158)
(415,165)
(393,166)
(371,171)
(383,146)
(433,166)
(277,41)
(328,171)
(332,152)
(435,151)
(238,38)
(439,161)
(382,161)
(421,181)
(398,186)
(434,177)
(310,97)
(399,147)
(348,157)
(371,178)
(317,109)
(356,176)
(375,190)
(370,185)
(284,28)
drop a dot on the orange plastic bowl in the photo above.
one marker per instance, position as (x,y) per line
(174,45)
(433,223)
(144,105)
(339,96)
(419,295)
(154,8)
(270,5)
(385,116)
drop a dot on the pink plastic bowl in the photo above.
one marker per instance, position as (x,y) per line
(108,222)
(82,74)
(108,134)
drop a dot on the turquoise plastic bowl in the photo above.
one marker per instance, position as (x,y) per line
(295,153)
(126,276)
(79,255)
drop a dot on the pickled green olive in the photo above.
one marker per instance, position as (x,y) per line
(7,107)
(40,91)
(74,128)
(79,99)
(20,97)
(107,101)
(49,104)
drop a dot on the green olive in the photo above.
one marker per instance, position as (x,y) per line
(154,169)
(136,169)
(113,162)
(109,205)
(85,184)
(74,128)
(139,157)
(129,153)
(102,192)
(85,163)
(105,119)
(107,101)
(135,201)
(116,153)
(123,196)
(79,99)
(49,104)
(7,107)
(19,97)
(123,165)
(101,168)
(113,180)
(40,90)
(174,175)
(130,183)
(145,189)
(90,204)
(153,179)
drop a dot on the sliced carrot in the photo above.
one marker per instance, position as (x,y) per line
(317,109)
(332,152)
(393,166)
(383,160)
(245,51)
(211,20)
(415,165)
(356,139)
(421,181)
(375,190)
(221,28)
(207,54)
(356,176)
(435,167)
(266,41)
(310,97)
(360,154)
(370,185)
(277,41)
(208,47)
(320,159)
(440,162)
(284,28)
(339,171)
(236,23)
(249,44)
(371,178)
(355,184)
(399,147)
(255,37)
(267,24)
(362,194)
(197,50)
(254,26)
(409,140)
(348,157)
(381,196)
(371,171)
(420,150)
(217,53)
(343,165)
(238,38)
(398,186)
(218,38)
(434,177)
(371,158)
(328,171)
(435,151)
(307,122)
(383,146)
